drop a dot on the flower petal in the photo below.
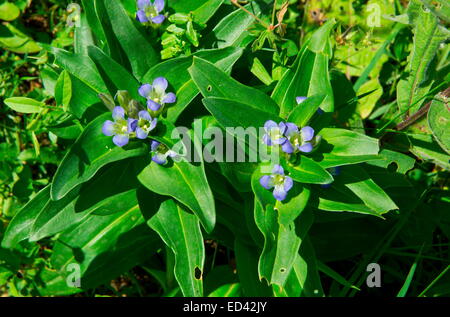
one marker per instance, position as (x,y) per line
(159,5)
(158,19)
(145,90)
(160,84)
(131,125)
(278,169)
(287,147)
(121,139)
(282,126)
(108,128)
(290,128)
(267,140)
(154,145)
(288,183)
(300,99)
(141,16)
(279,141)
(141,133)
(144,115)
(142,4)
(153,124)
(307,133)
(266,181)
(279,193)
(159,158)
(169,98)
(171,154)
(118,113)
(306,148)
(270,124)
(153,105)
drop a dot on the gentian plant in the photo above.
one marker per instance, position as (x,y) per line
(289,166)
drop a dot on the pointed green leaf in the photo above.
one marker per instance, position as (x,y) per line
(91,151)
(180,231)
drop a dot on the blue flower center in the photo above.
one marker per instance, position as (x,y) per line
(144,124)
(150,11)
(296,139)
(275,133)
(278,179)
(121,127)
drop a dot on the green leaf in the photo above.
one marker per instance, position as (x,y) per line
(425,147)
(12,39)
(176,73)
(140,53)
(81,67)
(186,182)
(403,162)
(233,29)
(275,220)
(309,75)
(260,71)
(428,34)
(202,10)
(9,11)
(341,199)
(121,238)
(439,122)
(24,105)
(308,171)
(359,182)
(302,114)
(90,152)
(231,113)
(93,197)
(63,90)
(440,8)
(180,231)
(83,36)
(304,279)
(95,23)
(120,77)
(344,147)
(20,226)
(213,82)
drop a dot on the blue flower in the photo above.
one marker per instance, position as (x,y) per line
(149,11)
(145,124)
(121,128)
(156,94)
(274,133)
(277,180)
(298,139)
(300,99)
(161,152)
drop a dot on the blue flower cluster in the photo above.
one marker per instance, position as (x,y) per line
(150,11)
(156,94)
(292,139)
(278,181)
(289,136)
(128,125)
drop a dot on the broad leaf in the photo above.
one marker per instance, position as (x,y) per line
(439,122)
(213,82)
(186,182)
(140,53)
(91,151)
(180,231)
(176,72)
